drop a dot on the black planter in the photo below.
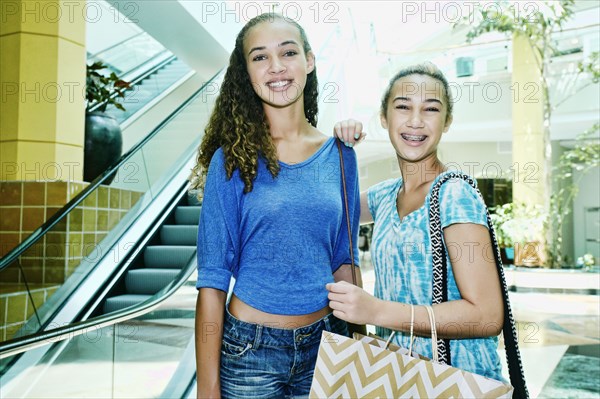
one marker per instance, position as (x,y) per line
(103,145)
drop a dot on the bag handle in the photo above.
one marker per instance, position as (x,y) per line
(339,145)
(412,329)
(434,341)
(440,285)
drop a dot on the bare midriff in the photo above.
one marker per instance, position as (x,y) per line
(242,311)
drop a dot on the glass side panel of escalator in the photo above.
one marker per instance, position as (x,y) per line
(129,54)
(57,263)
(132,359)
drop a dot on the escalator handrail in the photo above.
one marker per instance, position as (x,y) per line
(95,55)
(11,256)
(139,78)
(23,344)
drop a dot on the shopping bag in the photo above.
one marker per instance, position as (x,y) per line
(368,367)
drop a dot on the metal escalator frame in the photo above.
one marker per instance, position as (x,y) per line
(117,44)
(91,57)
(172,196)
(65,313)
(140,245)
(23,344)
(142,76)
(11,256)
(20,345)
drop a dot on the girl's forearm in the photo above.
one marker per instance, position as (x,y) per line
(210,308)
(454,319)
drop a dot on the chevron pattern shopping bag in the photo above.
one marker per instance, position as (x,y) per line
(364,368)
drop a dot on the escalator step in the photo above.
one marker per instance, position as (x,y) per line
(187,215)
(122,301)
(168,256)
(178,235)
(148,281)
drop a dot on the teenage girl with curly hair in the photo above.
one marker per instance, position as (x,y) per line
(272,218)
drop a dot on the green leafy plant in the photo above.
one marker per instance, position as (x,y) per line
(592,66)
(103,89)
(500,215)
(586,260)
(518,223)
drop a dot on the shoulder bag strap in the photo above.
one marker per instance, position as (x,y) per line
(440,286)
(339,145)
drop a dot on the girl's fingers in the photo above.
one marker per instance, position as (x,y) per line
(344,126)
(337,131)
(335,305)
(357,131)
(349,131)
(339,314)
(341,287)
(335,297)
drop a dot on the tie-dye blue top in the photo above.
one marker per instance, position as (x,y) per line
(401,255)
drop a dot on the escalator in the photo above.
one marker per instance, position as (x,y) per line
(150,68)
(122,323)
(148,86)
(124,244)
(161,260)
(133,242)
(59,250)
(117,354)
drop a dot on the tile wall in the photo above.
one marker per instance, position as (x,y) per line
(24,206)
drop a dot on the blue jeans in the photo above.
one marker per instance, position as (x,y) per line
(263,362)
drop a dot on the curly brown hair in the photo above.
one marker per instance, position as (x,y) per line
(238,123)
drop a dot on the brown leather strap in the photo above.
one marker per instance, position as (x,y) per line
(347,211)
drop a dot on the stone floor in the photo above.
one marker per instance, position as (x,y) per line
(560,343)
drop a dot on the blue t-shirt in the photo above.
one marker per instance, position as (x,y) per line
(401,256)
(283,240)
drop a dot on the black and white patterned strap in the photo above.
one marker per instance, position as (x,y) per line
(440,286)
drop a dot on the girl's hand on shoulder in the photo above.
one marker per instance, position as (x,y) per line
(349,131)
(351,303)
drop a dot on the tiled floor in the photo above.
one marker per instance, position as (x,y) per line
(559,326)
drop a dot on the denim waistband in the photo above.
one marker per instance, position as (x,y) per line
(269,335)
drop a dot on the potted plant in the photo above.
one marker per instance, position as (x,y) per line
(521,227)
(103,137)
(500,215)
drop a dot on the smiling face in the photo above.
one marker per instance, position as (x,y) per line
(416,117)
(276,62)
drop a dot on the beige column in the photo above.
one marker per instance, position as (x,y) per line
(42,73)
(530,143)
